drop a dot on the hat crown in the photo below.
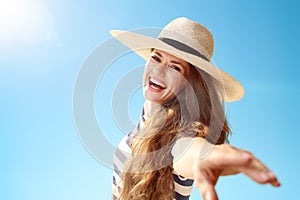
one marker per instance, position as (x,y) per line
(190,33)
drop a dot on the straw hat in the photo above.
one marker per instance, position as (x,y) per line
(187,40)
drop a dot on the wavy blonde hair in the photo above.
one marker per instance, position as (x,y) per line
(149,172)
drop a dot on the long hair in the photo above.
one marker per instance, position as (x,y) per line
(196,112)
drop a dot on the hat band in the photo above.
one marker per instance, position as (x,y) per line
(183,47)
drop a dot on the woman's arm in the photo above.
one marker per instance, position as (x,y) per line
(197,159)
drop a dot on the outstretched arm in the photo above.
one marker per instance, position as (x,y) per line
(197,159)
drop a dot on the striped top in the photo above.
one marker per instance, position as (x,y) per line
(183,186)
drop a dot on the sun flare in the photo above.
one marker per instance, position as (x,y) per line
(25,21)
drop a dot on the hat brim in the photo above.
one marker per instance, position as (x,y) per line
(142,45)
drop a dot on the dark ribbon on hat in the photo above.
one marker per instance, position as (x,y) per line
(183,47)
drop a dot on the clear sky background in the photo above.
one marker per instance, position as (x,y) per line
(43,44)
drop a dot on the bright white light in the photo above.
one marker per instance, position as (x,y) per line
(25,22)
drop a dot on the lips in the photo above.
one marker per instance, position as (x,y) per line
(156,85)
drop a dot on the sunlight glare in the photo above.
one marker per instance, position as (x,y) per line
(26,22)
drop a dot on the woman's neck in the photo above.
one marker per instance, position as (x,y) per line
(151,108)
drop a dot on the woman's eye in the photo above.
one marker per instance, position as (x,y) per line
(176,68)
(155,58)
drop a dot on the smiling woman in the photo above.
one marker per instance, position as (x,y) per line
(26,22)
(185,99)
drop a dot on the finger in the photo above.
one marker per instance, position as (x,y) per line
(205,181)
(274,181)
(236,160)
(257,170)
(206,189)
(252,167)
(263,177)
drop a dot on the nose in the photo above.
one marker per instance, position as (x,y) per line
(159,70)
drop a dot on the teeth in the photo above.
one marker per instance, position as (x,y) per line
(157,82)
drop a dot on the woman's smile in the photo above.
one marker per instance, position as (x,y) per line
(156,85)
(164,77)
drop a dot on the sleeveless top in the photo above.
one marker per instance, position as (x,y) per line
(183,186)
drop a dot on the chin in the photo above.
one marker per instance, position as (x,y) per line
(152,98)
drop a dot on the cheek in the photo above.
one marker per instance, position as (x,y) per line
(145,76)
(177,82)
(178,88)
(146,72)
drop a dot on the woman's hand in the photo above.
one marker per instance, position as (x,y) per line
(209,162)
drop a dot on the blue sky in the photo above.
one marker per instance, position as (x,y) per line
(43,45)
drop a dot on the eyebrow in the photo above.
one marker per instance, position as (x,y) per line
(176,62)
(172,61)
(158,54)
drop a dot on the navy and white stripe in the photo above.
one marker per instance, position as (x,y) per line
(183,186)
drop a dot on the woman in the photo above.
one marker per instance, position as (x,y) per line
(181,134)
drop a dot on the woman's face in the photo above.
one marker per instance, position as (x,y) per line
(164,77)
